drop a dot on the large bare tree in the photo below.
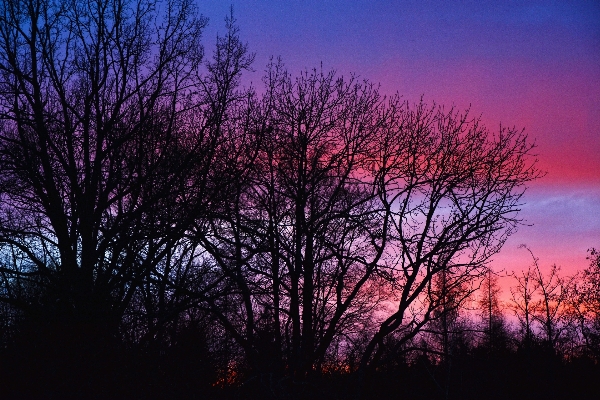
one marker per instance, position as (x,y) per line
(110,132)
(454,191)
(301,240)
(353,204)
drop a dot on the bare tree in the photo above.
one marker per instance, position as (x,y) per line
(354,199)
(551,310)
(110,132)
(495,335)
(301,242)
(142,188)
(446,332)
(522,303)
(454,191)
(583,307)
(544,299)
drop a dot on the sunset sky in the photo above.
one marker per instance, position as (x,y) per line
(529,64)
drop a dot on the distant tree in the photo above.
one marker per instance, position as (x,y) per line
(544,299)
(551,310)
(448,330)
(495,330)
(447,323)
(585,303)
(522,298)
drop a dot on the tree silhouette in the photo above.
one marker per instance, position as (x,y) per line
(495,335)
(585,303)
(346,200)
(301,238)
(150,203)
(522,299)
(110,134)
(454,191)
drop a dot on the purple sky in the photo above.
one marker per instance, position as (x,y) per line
(529,64)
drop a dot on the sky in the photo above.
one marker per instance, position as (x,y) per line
(528,64)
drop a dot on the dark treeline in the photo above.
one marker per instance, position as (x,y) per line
(168,233)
